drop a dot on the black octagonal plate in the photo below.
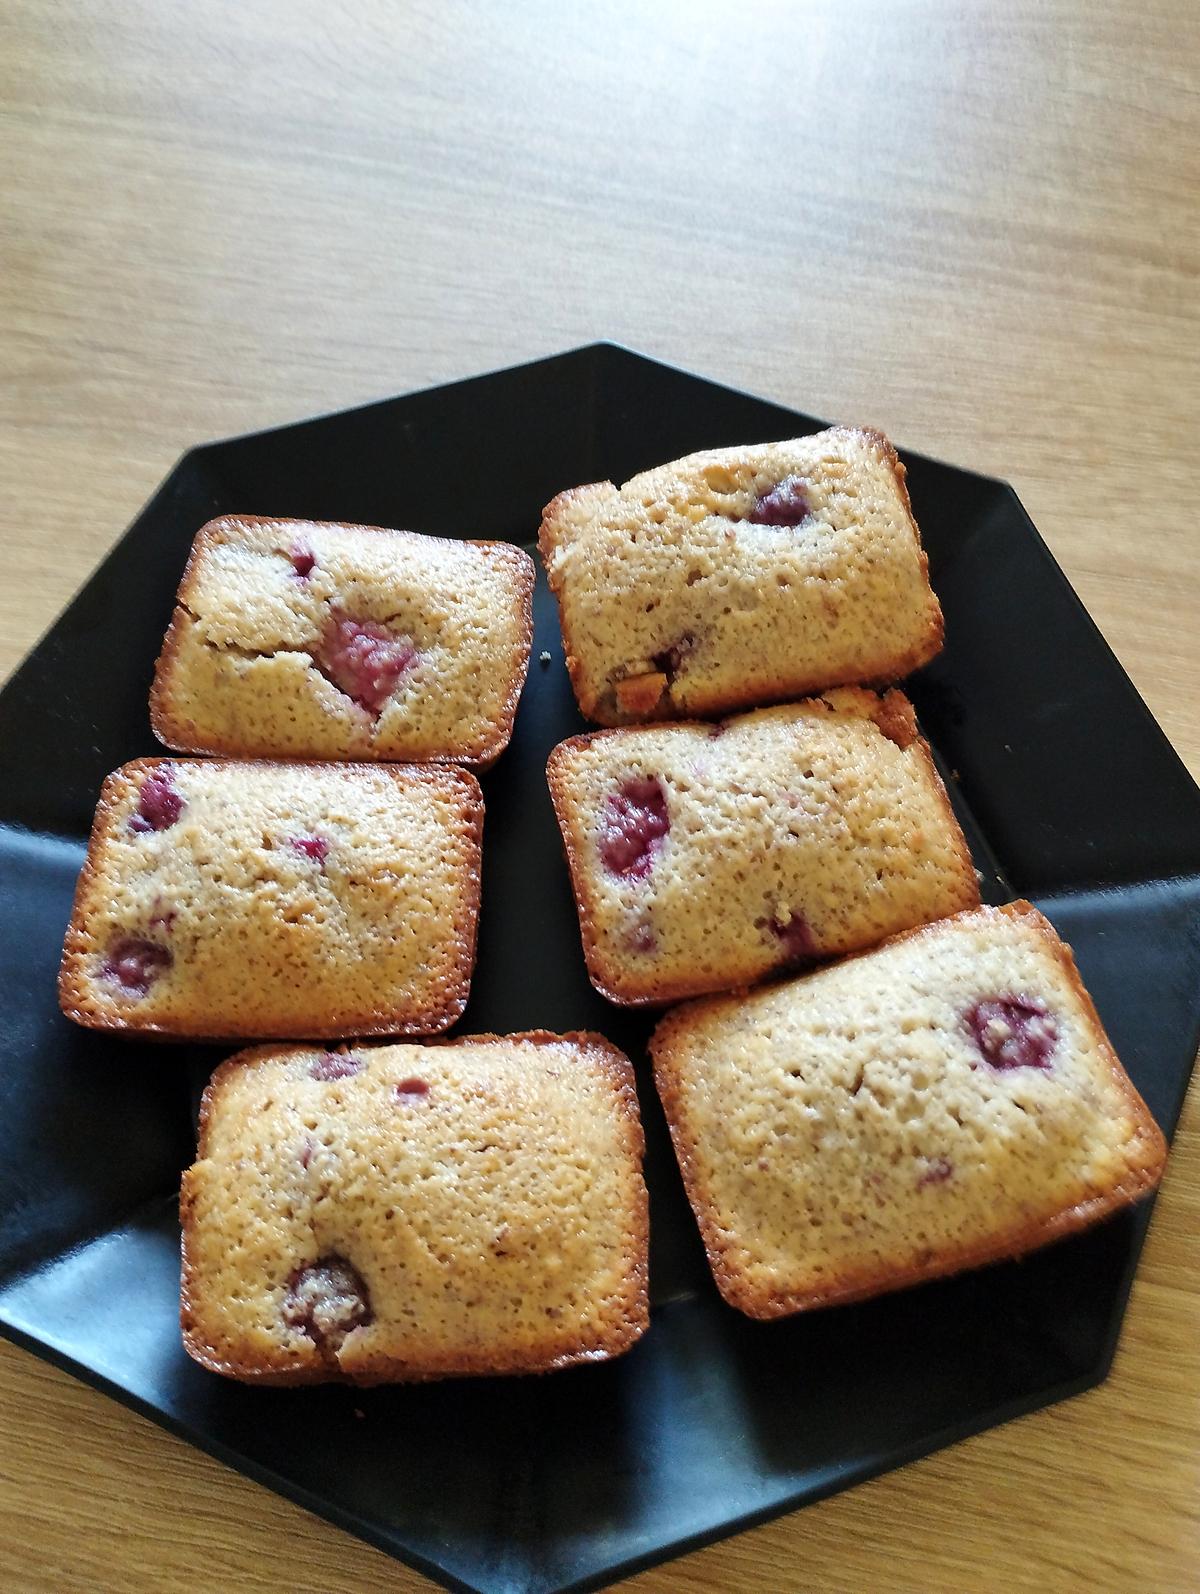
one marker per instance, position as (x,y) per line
(1070,795)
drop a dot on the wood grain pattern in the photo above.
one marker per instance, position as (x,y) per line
(974,226)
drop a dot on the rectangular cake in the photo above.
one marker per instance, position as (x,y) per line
(222,899)
(946,1100)
(395,1213)
(741,576)
(704,857)
(304,639)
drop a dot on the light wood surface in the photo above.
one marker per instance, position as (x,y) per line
(975,226)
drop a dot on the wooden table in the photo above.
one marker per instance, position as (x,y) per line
(974,226)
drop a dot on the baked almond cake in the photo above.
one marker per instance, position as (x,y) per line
(250,899)
(393,1213)
(739,576)
(946,1100)
(296,638)
(706,856)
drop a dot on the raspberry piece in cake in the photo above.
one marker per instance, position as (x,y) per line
(633,822)
(135,964)
(314,847)
(795,937)
(335,1065)
(304,561)
(326,1300)
(785,505)
(1013,1032)
(159,805)
(937,1170)
(364,660)
(672,656)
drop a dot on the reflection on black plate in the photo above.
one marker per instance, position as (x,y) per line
(1069,794)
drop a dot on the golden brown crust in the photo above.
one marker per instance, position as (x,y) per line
(1016,1241)
(76,996)
(935,639)
(765,694)
(636,704)
(969,896)
(619,1336)
(640,695)
(897,719)
(892,713)
(174,730)
(549,536)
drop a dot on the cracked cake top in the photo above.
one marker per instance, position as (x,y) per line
(296,638)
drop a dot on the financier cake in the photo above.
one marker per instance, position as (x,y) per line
(250,899)
(741,576)
(706,856)
(394,1213)
(946,1100)
(303,639)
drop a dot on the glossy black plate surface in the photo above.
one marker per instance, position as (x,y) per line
(1070,795)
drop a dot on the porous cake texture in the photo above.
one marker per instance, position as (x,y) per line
(296,638)
(222,899)
(946,1100)
(705,856)
(740,576)
(395,1213)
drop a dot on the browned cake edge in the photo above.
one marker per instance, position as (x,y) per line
(893,714)
(873,672)
(550,535)
(1147,1147)
(968,879)
(176,731)
(74,995)
(627,1326)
